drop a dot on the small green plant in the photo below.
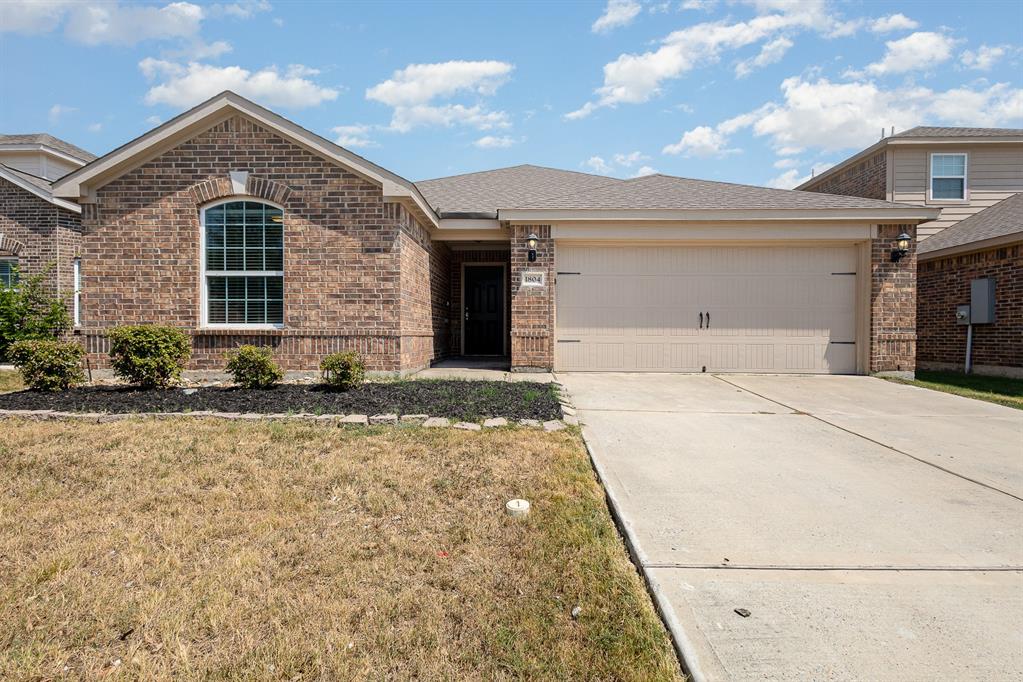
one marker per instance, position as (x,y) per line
(29,311)
(47,365)
(253,367)
(343,370)
(148,356)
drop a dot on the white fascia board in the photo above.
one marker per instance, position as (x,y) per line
(469,224)
(80,182)
(39,192)
(803,233)
(877,215)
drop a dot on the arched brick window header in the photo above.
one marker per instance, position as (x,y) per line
(10,246)
(230,186)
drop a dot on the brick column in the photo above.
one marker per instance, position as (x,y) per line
(532,316)
(892,303)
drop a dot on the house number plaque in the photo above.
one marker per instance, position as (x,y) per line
(533,278)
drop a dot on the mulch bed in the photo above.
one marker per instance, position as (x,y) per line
(464,400)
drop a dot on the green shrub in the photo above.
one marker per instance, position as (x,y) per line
(253,367)
(48,365)
(28,311)
(149,356)
(343,370)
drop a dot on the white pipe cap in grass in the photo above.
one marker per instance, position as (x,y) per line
(517,507)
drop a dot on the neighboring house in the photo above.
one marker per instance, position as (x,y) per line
(239,226)
(974,176)
(38,232)
(986,245)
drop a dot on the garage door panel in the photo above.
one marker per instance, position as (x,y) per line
(771,309)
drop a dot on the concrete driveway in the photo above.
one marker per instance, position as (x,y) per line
(873,530)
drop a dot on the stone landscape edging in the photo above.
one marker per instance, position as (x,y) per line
(340,420)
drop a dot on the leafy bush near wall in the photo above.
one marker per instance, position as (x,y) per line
(343,370)
(29,311)
(149,356)
(48,365)
(253,367)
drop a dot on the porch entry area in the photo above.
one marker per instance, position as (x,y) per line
(481,304)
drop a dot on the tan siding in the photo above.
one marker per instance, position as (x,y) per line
(993,173)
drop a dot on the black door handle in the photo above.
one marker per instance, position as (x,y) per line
(701,320)
(708,319)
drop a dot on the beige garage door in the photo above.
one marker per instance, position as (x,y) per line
(722,309)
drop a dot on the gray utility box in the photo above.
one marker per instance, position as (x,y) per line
(982,301)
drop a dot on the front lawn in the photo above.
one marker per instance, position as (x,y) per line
(233,550)
(1001,390)
(10,380)
(467,400)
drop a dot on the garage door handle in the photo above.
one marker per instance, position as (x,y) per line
(701,320)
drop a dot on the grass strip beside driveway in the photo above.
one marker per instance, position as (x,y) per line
(1000,390)
(169,549)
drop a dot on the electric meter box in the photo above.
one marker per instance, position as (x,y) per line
(982,301)
(962,315)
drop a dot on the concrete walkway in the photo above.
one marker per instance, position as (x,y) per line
(873,530)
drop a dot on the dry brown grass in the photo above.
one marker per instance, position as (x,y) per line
(219,550)
(10,381)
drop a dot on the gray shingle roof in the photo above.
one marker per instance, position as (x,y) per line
(49,141)
(488,191)
(1003,219)
(936,131)
(668,192)
(41,183)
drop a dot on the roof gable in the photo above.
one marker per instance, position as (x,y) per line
(82,183)
(41,187)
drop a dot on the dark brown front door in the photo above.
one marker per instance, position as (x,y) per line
(484,310)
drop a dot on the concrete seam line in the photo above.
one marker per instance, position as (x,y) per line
(786,567)
(683,647)
(876,442)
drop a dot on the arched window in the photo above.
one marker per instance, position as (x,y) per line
(243,264)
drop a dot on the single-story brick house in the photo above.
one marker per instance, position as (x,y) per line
(39,232)
(238,225)
(974,176)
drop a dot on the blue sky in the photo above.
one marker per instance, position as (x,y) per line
(758,91)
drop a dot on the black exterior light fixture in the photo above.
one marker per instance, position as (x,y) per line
(531,242)
(901,247)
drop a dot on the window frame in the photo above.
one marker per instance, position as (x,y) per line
(205,274)
(14,261)
(931,177)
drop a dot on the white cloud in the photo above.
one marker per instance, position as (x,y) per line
(643,171)
(244,9)
(598,165)
(495,142)
(636,78)
(921,50)
(411,93)
(354,136)
(57,111)
(617,13)
(893,22)
(983,58)
(702,142)
(154,120)
(840,116)
(114,24)
(704,5)
(782,164)
(793,178)
(186,85)
(95,127)
(630,159)
(770,53)
(197,50)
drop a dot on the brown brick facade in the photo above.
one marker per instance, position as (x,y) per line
(532,331)
(864,178)
(944,283)
(42,236)
(345,250)
(892,303)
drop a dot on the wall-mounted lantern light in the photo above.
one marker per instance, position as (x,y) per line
(531,242)
(901,247)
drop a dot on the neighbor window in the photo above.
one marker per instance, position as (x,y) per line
(8,272)
(948,176)
(244,264)
(78,291)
